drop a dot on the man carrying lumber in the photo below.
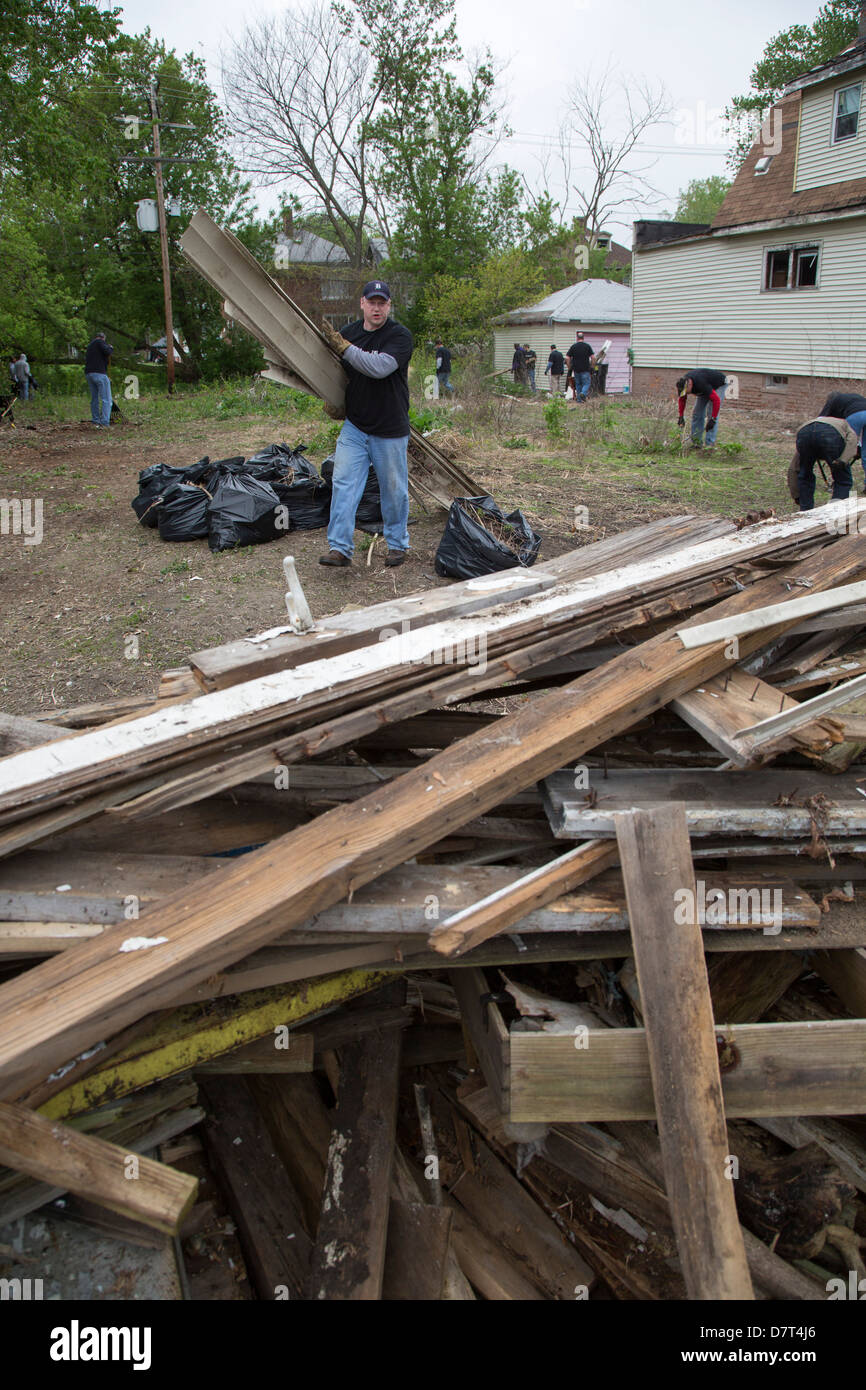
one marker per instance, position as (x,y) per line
(709,386)
(375,352)
(824,440)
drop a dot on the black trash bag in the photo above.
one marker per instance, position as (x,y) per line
(306,496)
(278,461)
(369,514)
(154,481)
(469,547)
(183,514)
(218,470)
(243,511)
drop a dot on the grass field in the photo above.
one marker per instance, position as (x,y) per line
(98,577)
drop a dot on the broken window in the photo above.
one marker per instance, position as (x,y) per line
(791,268)
(847,113)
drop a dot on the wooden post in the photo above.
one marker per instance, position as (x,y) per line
(163,242)
(657,865)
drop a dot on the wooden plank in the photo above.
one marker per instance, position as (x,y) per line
(788,719)
(136,1187)
(486,1030)
(261,1197)
(299,1124)
(722,709)
(416,1253)
(656,865)
(743,984)
(782,1069)
(722,629)
(61,1007)
(263,1057)
(845,973)
(349,1257)
(500,910)
(18,732)
(768,802)
(183,1038)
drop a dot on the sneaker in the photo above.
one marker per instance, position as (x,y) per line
(395,557)
(336,558)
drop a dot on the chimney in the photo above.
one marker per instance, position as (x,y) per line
(861,31)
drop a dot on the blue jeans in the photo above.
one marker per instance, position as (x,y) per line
(444,379)
(699,414)
(530,375)
(857,423)
(100,396)
(354,454)
(23,390)
(581,385)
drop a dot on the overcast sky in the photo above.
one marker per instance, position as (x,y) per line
(701,52)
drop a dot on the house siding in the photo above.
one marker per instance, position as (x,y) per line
(703,305)
(819,160)
(541,336)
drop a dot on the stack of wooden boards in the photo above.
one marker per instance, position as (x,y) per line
(311,905)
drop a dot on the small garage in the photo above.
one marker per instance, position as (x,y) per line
(600,309)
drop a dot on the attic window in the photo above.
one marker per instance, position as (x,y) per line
(763,164)
(846,115)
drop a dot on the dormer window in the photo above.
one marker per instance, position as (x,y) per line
(763,164)
(846,114)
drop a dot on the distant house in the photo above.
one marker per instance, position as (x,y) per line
(600,309)
(774,291)
(319,275)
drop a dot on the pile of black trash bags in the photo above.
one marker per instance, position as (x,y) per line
(237,501)
(480,539)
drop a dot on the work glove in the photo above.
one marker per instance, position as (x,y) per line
(335,339)
(334,411)
(681,422)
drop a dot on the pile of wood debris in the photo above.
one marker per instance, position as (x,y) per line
(304,927)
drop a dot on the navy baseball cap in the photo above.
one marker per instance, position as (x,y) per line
(376,289)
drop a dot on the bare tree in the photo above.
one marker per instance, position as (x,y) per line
(617,180)
(298,99)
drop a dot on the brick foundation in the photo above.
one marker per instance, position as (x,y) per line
(803,396)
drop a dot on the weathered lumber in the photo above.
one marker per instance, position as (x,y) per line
(349,1257)
(183,1038)
(656,864)
(845,973)
(789,719)
(743,984)
(18,732)
(486,1032)
(723,708)
(416,1253)
(263,1202)
(263,1057)
(299,1126)
(773,1274)
(721,629)
(765,802)
(847,1152)
(500,910)
(244,659)
(127,1183)
(774,1069)
(788,1201)
(61,1007)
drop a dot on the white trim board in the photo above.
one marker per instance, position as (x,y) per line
(724,628)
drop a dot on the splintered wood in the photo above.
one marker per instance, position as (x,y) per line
(303,928)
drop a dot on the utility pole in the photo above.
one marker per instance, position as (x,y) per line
(163,241)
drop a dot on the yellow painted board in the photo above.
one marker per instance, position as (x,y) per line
(186,1037)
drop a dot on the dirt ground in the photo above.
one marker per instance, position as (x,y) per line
(98,577)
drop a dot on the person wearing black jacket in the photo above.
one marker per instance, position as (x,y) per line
(555,368)
(846,405)
(443,368)
(709,386)
(375,352)
(518,366)
(96,362)
(581,360)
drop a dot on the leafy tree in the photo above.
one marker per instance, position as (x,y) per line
(785,57)
(462,308)
(562,249)
(701,199)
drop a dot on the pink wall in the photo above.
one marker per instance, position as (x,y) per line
(617,358)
